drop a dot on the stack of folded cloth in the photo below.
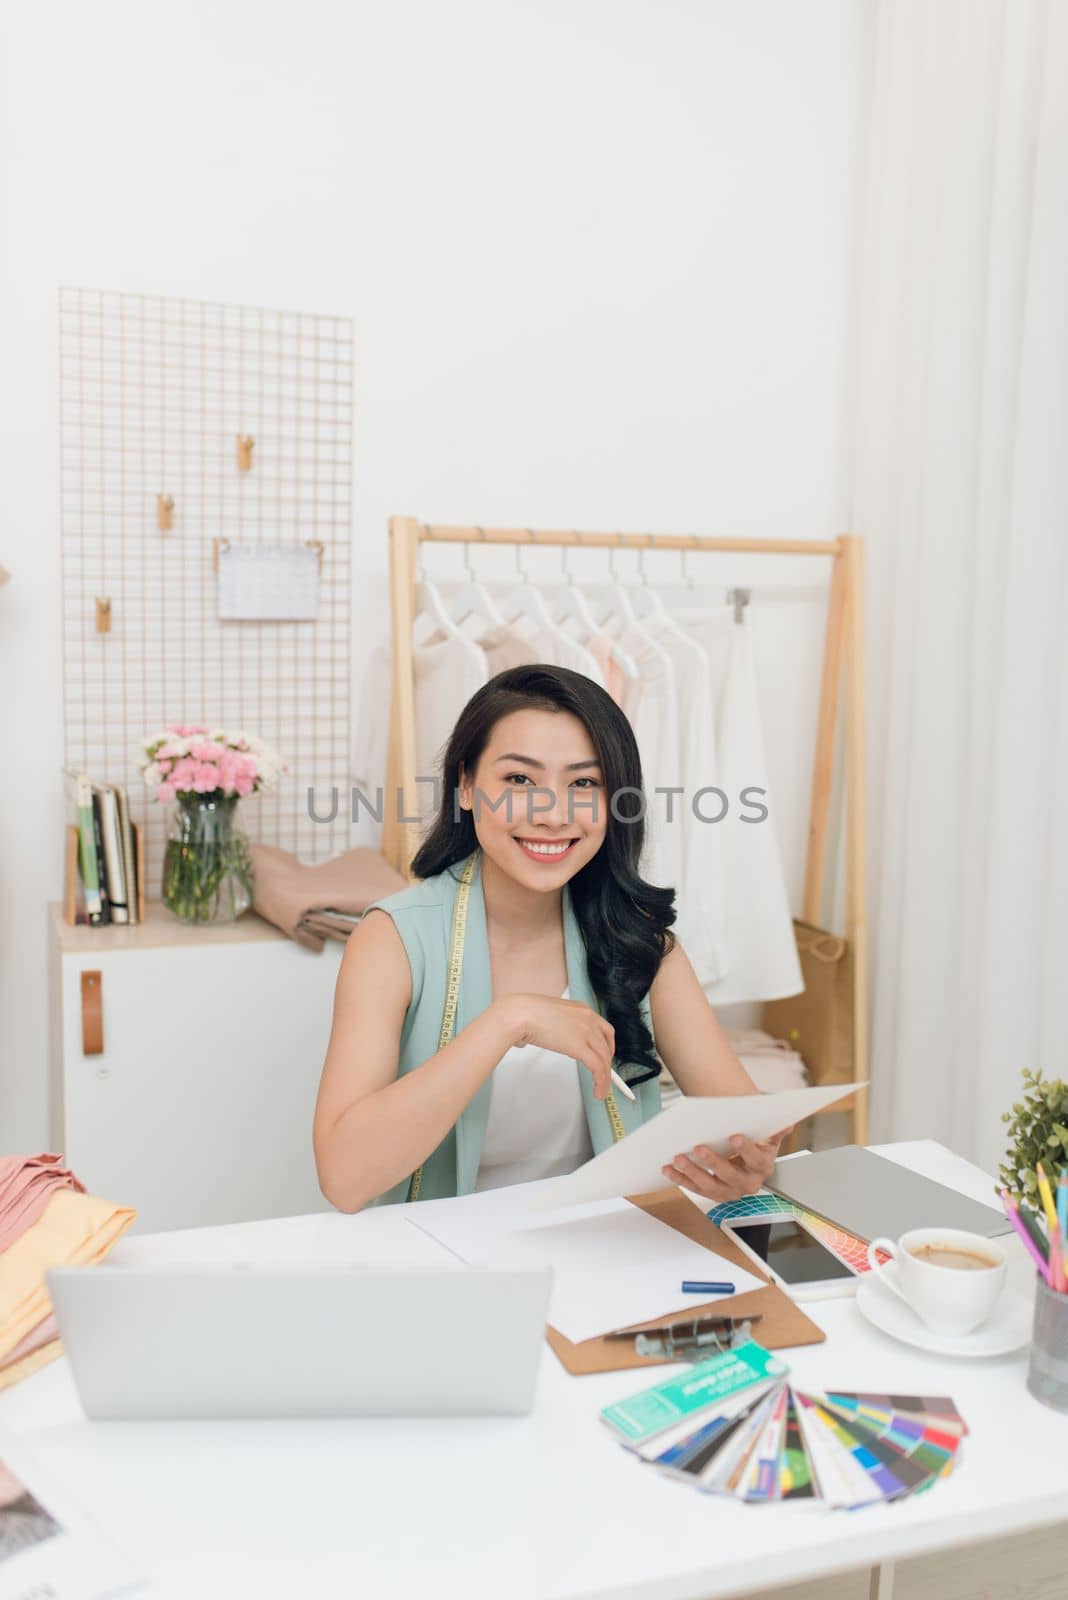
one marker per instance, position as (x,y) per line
(773,1064)
(325,901)
(46,1220)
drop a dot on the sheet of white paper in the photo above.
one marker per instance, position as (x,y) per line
(613,1265)
(633,1165)
(263,581)
(52,1546)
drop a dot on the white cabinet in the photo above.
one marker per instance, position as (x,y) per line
(197,1108)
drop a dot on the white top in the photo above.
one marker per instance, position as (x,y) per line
(513,646)
(537,1122)
(761,949)
(700,898)
(650,702)
(448,671)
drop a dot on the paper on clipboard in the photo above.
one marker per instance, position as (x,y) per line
(613,1265)
(633,1165)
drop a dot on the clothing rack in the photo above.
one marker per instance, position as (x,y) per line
(843,658)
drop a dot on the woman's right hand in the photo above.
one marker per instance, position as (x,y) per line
(566,1026)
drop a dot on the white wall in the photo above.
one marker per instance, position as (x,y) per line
(598,253)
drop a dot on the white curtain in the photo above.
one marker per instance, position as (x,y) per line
(960,411)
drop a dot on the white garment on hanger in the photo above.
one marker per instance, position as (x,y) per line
(651,705)
(761,948)
(537,1122)
(700,924)
(523,642)
(448,671)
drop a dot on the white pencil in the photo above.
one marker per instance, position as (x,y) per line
(623,1088)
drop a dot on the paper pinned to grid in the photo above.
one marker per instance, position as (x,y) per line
(268,582)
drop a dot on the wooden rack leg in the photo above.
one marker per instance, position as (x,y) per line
(400,839)
(826,726)
(857,829)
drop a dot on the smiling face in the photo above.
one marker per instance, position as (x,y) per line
(538,798)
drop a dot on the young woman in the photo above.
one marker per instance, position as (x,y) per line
(479,1012)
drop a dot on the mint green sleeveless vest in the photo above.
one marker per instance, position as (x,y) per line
(422,915)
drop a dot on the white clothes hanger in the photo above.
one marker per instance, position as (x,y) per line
(650,603)
(645,599)
(473,598)
(525,601)
(428,602)
(620,608)
(569,601)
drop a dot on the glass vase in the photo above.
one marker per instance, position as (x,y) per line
(207,866)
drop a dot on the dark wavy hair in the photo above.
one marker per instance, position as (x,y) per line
(624,921)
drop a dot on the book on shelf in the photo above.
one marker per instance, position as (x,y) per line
(88,858)
(104,861)
(114,859)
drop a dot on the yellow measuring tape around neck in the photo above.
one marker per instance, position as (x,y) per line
(452,997)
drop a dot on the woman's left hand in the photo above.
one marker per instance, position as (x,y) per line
(721,1178)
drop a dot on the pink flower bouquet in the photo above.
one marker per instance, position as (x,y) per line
(187,760)
(207,867)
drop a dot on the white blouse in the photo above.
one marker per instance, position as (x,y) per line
(537,1121)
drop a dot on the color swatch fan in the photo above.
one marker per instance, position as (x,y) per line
(846,1246)
(733,1426)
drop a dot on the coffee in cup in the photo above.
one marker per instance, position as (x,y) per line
(951,1279)
(937,1254)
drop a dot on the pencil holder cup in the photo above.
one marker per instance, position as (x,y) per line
(1047,1374)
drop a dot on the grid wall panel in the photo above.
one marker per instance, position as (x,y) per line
(153,396)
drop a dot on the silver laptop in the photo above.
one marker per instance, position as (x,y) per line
(872,1196)
(252,1341)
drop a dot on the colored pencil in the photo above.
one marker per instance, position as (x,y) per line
(1062,1212)
(1046,1194)
(1056,1262)
(1013,1214)
(1033,1226)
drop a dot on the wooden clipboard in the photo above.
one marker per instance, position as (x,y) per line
(782,1322)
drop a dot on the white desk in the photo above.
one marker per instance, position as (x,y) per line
(546,1507)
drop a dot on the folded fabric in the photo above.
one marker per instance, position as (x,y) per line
(27,1183)
(755,1041)
(329,923)
(774,1074)
(771,1063)
(75,1230)
(31,1363)
(43,1333)
(287,892)
(36,1350)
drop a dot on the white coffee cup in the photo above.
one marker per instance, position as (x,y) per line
(952,1296)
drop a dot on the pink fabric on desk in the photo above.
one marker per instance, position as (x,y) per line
(42,1334)
(27,1183)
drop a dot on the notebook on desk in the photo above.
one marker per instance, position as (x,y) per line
(873,1197)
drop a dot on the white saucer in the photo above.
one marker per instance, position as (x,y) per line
(1007,1328)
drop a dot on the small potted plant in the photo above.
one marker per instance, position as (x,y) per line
(207,867)
(1038,1131)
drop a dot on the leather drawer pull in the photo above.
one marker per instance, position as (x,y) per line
(92,1014)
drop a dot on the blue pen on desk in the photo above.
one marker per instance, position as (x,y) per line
(689,1286)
